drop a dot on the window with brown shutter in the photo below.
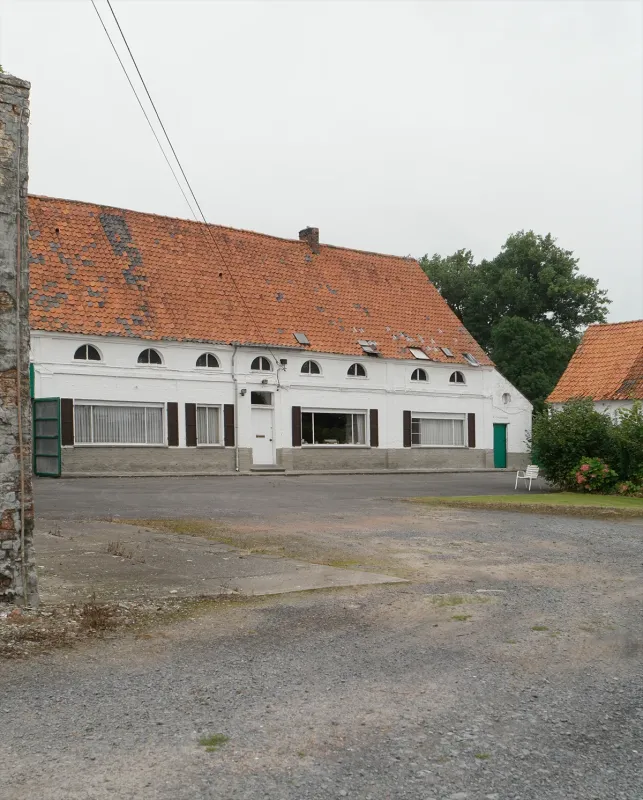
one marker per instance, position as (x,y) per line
(471,429)
(66,422)
(296,426)
(406,438)
(375,433)
(173,424)
(190,424)
(228,425)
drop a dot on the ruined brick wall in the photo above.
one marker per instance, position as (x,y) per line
(17,570)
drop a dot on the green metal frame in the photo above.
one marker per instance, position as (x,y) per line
(57,436)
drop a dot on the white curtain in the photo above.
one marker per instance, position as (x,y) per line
(359,429)
(442,432)
(207,425)
(118,425)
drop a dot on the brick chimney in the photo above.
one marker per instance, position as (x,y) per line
(311,235)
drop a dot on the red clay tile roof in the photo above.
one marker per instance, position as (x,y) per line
(111,272)
(608,365)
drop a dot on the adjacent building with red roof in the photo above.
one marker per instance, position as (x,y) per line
(607,367)
(180,347)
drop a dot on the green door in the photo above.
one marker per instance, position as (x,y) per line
(46,436)
(499,446)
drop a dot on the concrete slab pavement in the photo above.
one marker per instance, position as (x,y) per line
(115,561)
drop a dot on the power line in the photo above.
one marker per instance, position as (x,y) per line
(149,122)
(185,177)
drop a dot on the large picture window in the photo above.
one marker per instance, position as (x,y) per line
(100,423)
(438,430)
(208,425)
(333,427)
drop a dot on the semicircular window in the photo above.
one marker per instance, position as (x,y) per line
(261,364)
(456,377)
(356,371)
(87,352)
(419,375)
(208,360)
(149,356)
(310,368)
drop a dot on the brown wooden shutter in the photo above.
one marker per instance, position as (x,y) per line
(296,426)
(173,424)
(228,425)
(66,422)
(375,433)
(471,426)
(406,438)
(190,424)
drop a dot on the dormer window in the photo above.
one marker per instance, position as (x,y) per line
(87,352)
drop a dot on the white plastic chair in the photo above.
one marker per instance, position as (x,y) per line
(530,474)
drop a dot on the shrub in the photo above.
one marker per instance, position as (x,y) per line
(630,488)
(629,437)
(593,475)
(562,439)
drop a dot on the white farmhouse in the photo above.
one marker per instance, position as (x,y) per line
(607,368)
(166,346)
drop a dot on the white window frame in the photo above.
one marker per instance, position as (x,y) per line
(357,377)
(117,404)
(455,417)
(87,360)
(363,412)
(206,367)
(150,365)
(254,369)
(311,374)
(420,381)
(458,383)
(209,405)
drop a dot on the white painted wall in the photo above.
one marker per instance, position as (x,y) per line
(609,407)
(388,386)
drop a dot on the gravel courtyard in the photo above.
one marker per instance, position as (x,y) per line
(508,668)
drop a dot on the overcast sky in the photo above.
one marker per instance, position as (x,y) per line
(398,127)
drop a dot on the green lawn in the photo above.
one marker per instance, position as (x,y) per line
(554,503)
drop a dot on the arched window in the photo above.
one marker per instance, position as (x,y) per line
(208,360)
(149,356)
(457,377)
(261,364)
(310,368)
(506,398)
(356,371)
(419,375)
(87,352)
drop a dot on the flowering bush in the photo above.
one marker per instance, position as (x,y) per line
(630,488)
(593,475)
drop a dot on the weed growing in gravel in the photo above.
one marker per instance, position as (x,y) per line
(96,616)
(483,756)
(213,742)
(539,628)
(443,600)
(118,549)
(461,617)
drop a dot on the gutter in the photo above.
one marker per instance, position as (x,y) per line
(236,412)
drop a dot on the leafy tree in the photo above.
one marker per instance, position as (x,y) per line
(530,355)
(629,436)
(532,279)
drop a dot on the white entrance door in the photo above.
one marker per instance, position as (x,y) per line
(262,449)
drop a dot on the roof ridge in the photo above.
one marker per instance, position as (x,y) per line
(614,324)
(215,225)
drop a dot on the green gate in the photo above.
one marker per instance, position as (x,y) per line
(46,436)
